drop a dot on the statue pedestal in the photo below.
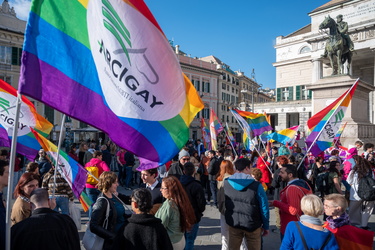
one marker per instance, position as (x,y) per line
(358,127)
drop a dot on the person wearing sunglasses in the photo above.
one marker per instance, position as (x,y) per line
(176,168)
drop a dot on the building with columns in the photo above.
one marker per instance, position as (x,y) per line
(299,65)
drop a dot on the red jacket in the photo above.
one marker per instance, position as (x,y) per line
(263,166)
(290,202)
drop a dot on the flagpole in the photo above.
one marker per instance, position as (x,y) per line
(320,132)
(11,171)
(58,154)
(230,141)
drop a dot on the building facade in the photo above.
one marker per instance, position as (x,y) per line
(299,64)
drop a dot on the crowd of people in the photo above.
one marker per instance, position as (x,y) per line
(168,202)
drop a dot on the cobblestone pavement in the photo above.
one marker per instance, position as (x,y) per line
(209,237)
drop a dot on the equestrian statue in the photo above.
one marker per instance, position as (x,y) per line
(339,45)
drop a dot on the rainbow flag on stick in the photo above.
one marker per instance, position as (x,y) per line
(230,134)
(109,64)
(27,144)
(325,124)
(284,136)
(215,129)
(205,133)
(72,172)
(258,122)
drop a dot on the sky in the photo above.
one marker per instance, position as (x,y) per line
(240,33)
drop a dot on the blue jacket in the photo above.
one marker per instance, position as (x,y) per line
(246,203)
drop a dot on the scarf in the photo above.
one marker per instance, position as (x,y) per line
(311,219)
(339,222)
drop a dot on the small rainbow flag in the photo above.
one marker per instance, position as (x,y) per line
(258,122)
(72,172)
(205,133)
(215,129)
(284,136)
(27,144)
(325,124)
(230,134)
(108,63)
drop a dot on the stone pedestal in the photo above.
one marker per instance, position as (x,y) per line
(328,89)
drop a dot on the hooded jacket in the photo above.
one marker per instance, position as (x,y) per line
(102,167)
(246,204)
(145,232)
(290,202)
(195,193)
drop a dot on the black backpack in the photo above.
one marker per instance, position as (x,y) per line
(366,188)
(322,181)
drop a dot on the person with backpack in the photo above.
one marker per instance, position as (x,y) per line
(360,207)
(334,178)
(96,166)
(308,233)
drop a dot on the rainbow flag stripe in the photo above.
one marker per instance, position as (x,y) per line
(27,145)
(85,201)
(108,63)
(284,136)
(72,172)
(258,122)
(325,124)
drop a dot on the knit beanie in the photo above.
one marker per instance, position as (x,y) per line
(183,153)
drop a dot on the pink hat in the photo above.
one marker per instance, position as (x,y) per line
(352,152)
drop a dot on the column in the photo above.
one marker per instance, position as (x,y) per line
(317,72)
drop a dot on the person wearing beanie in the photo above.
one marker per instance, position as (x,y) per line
(176,168)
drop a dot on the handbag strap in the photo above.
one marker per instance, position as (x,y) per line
(123,204)
(304,241)
(105,223)
(301,234)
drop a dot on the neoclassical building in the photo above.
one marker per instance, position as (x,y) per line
(299,65)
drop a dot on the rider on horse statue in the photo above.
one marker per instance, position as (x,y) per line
(343,29)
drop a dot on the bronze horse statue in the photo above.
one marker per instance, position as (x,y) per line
(336,47)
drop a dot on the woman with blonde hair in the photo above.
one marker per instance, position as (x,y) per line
(176,213)
(308,233)
(111,231)
(226,170)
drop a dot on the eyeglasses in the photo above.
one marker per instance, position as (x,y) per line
(185,159)
(327,206)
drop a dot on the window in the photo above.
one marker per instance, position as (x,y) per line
(206,87)
(82,125)
(302,93)
(224,86)
(5,55)
(223,96)
(304,49)
(196,84)
(49,113)
(206,113)
(6,79)
(232,90)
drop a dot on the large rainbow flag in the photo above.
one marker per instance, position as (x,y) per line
(109,64)
(27,145)
(72,172)
(258,122)
(284,136)
(325,124)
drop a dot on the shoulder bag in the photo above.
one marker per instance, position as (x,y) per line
(92,241)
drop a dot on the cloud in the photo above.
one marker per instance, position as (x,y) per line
(22,8)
